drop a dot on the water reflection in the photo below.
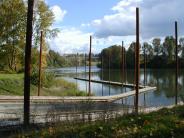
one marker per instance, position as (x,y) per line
(164,80)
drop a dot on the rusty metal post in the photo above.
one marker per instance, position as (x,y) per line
(89,93)
(102,70)
(134,68)
(144,74)
(176,56)
(125,69)
(76,71)
(122,66)
(85,72)
(76,67)
(144,65)
(40,63)
(27,68)
(109,73)
(137,62)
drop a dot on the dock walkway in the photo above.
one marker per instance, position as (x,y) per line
(56,99)
(111,83)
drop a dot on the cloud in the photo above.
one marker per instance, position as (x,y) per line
(85,25)
(58,13)
(156,18)
(72,40)
(122,22)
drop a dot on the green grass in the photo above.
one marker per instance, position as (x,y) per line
(165,123)
(12,84)
(11,76)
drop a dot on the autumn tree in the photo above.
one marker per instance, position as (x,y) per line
(43,20)
(12,33)
(13,30)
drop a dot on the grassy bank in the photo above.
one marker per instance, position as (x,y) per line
(164,123)
(12,84)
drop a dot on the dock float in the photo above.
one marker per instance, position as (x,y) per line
(58,99)
(111,83)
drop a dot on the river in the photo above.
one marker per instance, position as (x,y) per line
(163,79)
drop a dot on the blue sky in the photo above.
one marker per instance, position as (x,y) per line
(111,21)
(83,11)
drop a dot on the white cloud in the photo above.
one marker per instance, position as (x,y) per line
(85,25)
(125,5)
(58,13)
(156,18)
(122,22)
(70,40)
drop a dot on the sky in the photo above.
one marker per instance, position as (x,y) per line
(111,21)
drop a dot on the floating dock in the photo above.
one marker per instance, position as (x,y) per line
(56,99)
(63,99)
(111,83)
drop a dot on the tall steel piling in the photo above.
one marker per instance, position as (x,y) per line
(40,63)
(27,70)
(176,58)
(109,73)
(145,75)
(102,70)
(89,92)
(137,62)
(85,58)
(122,65)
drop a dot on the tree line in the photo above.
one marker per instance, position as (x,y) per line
(158,54)
(55,59)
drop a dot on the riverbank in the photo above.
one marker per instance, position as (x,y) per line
(12,84)
(164,123)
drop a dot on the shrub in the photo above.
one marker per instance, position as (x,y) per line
(47,78)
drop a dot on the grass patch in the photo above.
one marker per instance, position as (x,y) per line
(165,123)
(11,76)
(13,84)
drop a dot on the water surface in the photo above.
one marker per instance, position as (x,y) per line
(163,79)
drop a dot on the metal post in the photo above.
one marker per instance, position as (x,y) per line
(176,55)
(137,61)
(89,93)
(144,73)
(102,70)
(125,69)
(27,70)
(40,63)
(122,68)
(122,63)
(85,73)
(109,75)
(135,66)
(144,65)
(76,57)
